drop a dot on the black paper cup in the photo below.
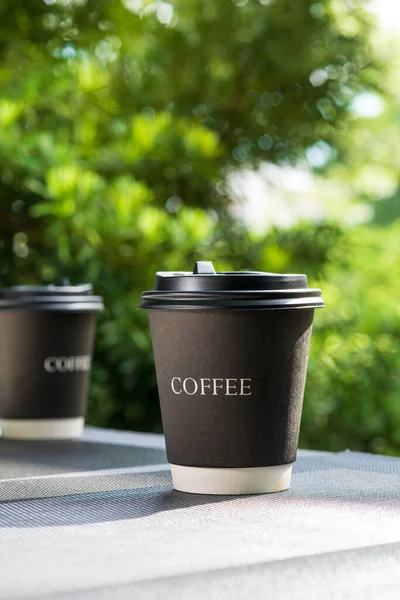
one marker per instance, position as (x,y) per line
(231,354)
(46,345)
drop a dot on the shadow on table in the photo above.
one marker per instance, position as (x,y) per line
(101,507)
(159,497)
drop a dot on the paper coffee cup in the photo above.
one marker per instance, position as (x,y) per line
(46,345)
(231,354)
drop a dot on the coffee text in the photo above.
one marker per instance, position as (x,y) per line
(64,364)
(206,386)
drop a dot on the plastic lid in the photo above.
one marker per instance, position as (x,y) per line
(204,288)
(61,296)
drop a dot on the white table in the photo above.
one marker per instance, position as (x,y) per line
(111,526)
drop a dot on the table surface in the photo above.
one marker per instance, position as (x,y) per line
(99,519)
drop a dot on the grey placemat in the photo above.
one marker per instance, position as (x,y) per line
(335,535)
(34,459)
(37,469)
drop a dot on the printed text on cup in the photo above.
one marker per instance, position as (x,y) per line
(65,364)
(206,386)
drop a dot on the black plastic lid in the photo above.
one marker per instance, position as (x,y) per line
(205,289)
(61,296)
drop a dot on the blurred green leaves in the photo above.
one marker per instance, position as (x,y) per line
(9,111)
(354,370)
(120,122)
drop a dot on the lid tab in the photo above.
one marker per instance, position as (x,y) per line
(203,267)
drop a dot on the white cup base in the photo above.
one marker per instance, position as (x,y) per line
(42,429)
(255,480)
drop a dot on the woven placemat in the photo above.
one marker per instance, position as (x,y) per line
(98,462)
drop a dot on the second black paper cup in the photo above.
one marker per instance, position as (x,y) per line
(46,346)
(231,353)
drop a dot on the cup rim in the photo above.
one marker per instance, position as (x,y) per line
(231,299)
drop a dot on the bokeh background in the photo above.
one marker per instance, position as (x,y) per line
(141,135)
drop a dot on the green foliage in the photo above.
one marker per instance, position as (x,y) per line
(120,121)
(353,389)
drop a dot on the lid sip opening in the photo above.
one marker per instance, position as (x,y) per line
(204,288)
